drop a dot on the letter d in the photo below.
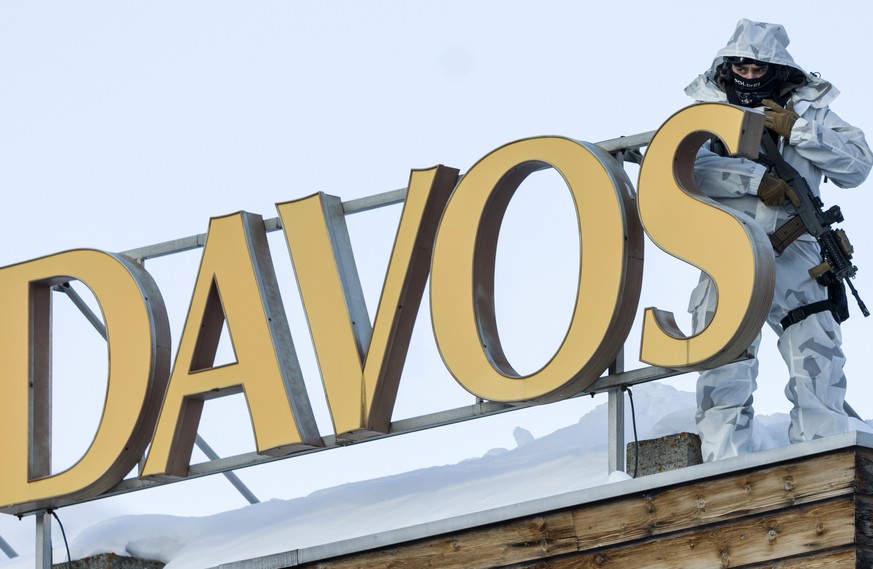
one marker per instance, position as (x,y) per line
(137,334)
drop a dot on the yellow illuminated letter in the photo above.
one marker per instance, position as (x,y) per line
(137,335)
(462,275)
(361,366)
(237,285)
(728,246)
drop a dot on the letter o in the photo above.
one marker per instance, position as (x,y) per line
(462,272)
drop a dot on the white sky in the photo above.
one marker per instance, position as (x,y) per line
(124,124)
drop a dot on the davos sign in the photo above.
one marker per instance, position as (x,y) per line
(448,231)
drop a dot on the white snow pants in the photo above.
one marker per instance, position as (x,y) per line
(811,350)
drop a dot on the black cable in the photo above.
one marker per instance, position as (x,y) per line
(64,534)
(630,395)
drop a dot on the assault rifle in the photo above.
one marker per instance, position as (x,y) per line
(836,250)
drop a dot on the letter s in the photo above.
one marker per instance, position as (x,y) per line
(731,248)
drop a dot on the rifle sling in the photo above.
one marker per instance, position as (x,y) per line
(787,233)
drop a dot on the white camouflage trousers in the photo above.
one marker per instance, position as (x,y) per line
(811,350)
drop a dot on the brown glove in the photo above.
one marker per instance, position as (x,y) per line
(780,120)
(774,190)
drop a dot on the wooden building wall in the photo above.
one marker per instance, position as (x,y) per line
(811,512)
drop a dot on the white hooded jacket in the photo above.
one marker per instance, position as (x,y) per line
(821,143)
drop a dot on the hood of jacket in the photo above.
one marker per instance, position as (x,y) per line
(763,42)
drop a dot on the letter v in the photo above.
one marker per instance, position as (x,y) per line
(361,367)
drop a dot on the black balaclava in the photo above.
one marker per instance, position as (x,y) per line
(750,92)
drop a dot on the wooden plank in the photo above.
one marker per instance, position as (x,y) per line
(479,548)
(789,533)
(842,558)
(708,501)
(864,471)
(848,557)
(786,516)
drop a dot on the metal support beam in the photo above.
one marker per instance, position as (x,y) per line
(233,478)
(43,540)
(615,430)
(626,146)
(615,421)
(95,321)
(7,549)
(403,426)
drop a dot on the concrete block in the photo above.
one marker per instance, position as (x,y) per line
(665,453)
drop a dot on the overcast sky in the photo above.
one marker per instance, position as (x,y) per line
(124,124)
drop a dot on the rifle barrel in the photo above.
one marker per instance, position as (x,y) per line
(861,304)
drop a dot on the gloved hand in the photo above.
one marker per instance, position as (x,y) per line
(774,190)
(780,120)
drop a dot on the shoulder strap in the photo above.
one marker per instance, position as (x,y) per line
(771,157)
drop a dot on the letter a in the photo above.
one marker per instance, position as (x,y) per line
(236,284)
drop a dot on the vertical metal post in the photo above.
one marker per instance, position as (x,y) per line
(615,421)
(43,540)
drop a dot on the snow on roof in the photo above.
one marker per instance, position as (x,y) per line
(568,460)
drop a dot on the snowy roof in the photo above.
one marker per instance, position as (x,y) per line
(563,468)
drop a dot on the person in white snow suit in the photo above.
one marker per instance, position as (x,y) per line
(755,70)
